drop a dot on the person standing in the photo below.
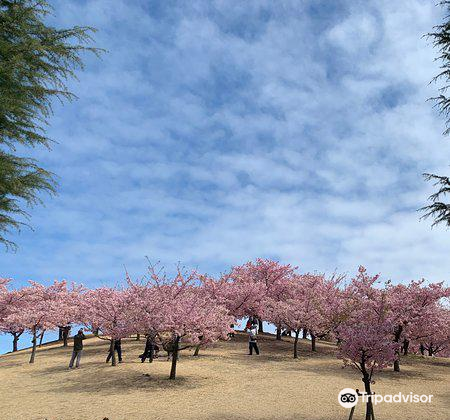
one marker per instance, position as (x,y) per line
(252,344)
(77,349)
(117,348)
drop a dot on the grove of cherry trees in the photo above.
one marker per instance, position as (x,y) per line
(372,323)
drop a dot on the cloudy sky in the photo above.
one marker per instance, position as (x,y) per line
(216,132)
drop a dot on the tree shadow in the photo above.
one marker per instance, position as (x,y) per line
(118,381)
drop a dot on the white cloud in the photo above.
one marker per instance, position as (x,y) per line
(215,134)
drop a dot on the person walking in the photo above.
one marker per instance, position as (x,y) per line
(117,348)
(252,344)
(151,349)
(77,349)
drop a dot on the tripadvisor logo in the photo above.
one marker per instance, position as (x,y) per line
(349,397)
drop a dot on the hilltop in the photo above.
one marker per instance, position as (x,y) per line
(223,383)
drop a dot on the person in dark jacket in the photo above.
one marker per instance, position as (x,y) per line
(77,349)
(117,348)
(151,349)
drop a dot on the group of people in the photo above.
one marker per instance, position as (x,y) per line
(150,352)
(151,347)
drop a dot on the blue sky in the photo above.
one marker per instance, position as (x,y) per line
(216,132)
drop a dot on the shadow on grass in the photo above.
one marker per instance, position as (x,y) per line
(115,381)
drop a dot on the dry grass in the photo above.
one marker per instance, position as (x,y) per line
(223,383)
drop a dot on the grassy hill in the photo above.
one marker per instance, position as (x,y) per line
(223,383)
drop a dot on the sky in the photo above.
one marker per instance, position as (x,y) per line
(212,133)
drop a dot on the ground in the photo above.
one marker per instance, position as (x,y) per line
(223,383)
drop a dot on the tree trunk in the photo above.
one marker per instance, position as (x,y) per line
(313,342)
(33,350)
(430,351)
(197,349)
(397,336)
(422,350)
(366,379)
(60,333)
(369,404)
(112,351)
(305,334)
(15,341)
(297,333)
(261,326)
(173,369)
(41,338)
(405,347)
(138,337)
(278,333)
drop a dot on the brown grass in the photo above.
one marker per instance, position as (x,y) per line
(223,383)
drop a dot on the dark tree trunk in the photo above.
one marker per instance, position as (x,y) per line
(112,351)
(138,337)
(369,404)
(173,369)
(313,342)
(422,350)
(430,351)
(60,333)
(366,379)
(297,333)
(33,350)
(260,326)
(405,347)
(41,337)
(305,334)
(15,340)
(197,350)
(398,333)
(278,333)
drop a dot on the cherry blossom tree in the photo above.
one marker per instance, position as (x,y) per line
(309,302)
(240,298)
(39,308)
(106,312)
(324,307)
(7,303)
(7,324)
(432,332)
(4,298)
(298,310)
(179,308)
(409,305)
(68,309)
(365,337)
(288,314)
(268,279)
